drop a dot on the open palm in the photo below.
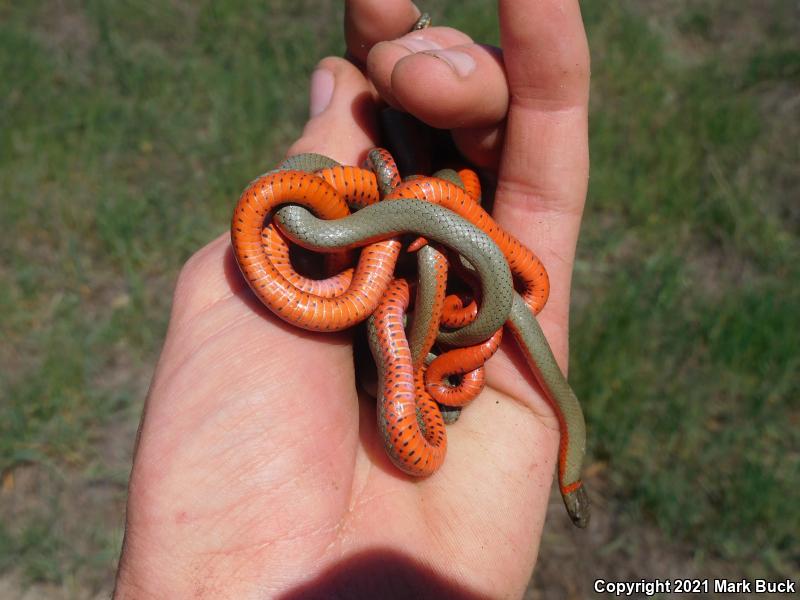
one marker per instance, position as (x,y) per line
(258,470)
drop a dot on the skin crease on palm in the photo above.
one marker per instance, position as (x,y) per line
(257,467)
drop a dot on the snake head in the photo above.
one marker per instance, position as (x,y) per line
(577,503)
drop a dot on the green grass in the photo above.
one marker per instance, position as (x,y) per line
(127,129)
(686,346)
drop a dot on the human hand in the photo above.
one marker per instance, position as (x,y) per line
(258,472)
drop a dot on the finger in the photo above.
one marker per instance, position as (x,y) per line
(546,52)
(384,56)
(442,78)
(367,22)
(453,88)
(342,114)
(544,170)
(481,146)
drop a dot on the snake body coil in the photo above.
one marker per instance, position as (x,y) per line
(308,199)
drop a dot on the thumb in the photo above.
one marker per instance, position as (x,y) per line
(341,113)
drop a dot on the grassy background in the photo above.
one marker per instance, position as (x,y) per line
(127,130)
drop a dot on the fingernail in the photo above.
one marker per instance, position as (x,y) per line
(417,44)
(322,83)
(461,62)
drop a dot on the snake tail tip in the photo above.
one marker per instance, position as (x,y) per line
(577,503)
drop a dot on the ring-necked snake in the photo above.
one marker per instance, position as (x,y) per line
(409,418)
(303,227)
